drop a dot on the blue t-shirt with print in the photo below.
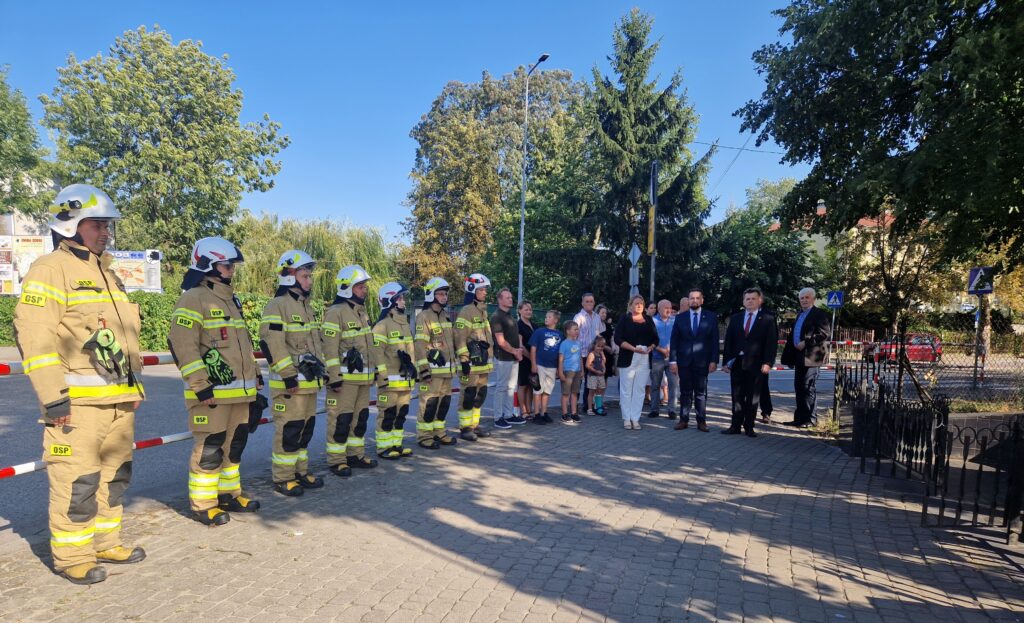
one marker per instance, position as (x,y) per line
(546,340)
(571,356)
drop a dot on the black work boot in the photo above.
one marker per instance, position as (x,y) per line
(237,505)
(211,517)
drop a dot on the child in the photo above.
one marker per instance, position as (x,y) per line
(596,382)
(569,372)
(544,345)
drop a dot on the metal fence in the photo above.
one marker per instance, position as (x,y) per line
(971,465)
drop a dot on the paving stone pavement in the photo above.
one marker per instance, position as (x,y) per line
(554,523)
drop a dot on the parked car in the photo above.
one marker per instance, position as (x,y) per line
(919,346)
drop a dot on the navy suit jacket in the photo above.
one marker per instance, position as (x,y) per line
(697,351)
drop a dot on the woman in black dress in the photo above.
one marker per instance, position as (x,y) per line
(525,389)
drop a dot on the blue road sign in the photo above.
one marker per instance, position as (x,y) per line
(979,281)
(834,300)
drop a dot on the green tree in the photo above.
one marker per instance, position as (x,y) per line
(748,249)
(157,126)
(639,122)
(23,182)
(466,178)
(920,100)
(263,239)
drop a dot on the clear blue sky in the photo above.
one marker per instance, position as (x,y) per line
(348,81)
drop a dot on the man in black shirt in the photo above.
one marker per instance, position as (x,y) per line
(507,354)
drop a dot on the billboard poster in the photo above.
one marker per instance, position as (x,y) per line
(25,250)
(139,270)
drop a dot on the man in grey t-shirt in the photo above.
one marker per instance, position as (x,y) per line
(507,354)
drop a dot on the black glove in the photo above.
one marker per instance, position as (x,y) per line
(465,368)
(290,383)
(311,367)
(204,394)
(217,369)
(55,410)
(477,352)
(336,386)
(535,382)
(405,367)
(424,374)
(353,360)
(436,358)
(256,408)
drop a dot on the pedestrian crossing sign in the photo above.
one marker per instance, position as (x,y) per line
(834,300)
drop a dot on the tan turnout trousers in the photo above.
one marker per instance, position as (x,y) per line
(219,434)
(89,464)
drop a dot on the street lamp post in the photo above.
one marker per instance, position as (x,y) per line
(522,203)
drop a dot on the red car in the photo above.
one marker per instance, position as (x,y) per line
(920,347)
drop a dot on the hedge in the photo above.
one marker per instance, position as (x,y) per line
(156,317)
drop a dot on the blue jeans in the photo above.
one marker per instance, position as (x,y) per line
(659,369)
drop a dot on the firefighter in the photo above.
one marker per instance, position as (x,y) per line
(392,340)
(473,343)
(290,340)
(348,343)
(79,341)
(211,346)
(435,358)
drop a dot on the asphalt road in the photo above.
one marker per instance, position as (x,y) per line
(160,474)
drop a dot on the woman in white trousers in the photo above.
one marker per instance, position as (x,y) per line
(636,336)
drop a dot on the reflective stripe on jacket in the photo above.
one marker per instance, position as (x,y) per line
(207,317)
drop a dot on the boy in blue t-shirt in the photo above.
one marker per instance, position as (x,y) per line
(544,355)
(570,371)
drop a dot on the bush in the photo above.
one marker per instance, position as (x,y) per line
(7,304)
(156,312)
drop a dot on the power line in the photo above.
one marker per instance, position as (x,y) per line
(760,151)
(734,158)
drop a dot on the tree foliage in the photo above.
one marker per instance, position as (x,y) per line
(157,125)
(746,251)
(23,181)
(468,163)
(639,122)
(920,100)
(262,239)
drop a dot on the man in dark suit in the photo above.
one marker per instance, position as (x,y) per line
(748,356)
(805,351)
(694,355)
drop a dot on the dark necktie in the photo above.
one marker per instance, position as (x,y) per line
(746,327)
(695,319)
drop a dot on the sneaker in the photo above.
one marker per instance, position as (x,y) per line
(502,423)
(516,419)
(671,415)
(576,418)
(540,419)
(652,414)
(566,418)
(547,419)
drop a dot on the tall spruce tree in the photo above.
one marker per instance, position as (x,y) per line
(639,122)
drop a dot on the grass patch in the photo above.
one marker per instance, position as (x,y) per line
(959,405)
